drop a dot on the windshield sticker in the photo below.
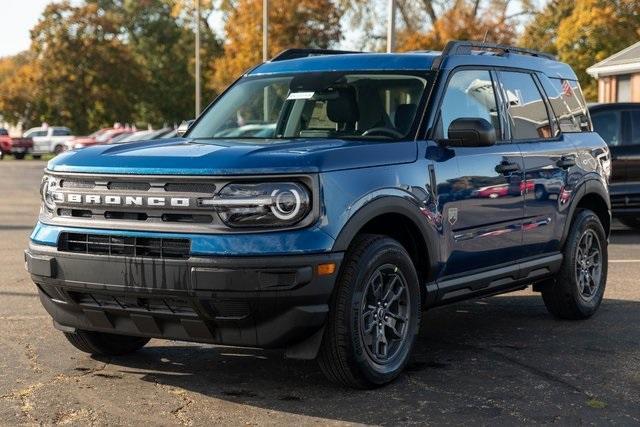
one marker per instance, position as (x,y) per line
(300,95)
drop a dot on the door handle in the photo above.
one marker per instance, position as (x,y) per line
(566,162)
(505,167)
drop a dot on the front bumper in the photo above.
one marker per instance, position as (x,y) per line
(21,150)
(264,302)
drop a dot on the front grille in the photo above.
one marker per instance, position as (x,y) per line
(190,187)
(99,244)
(77,183)
(129,186)
(625,201)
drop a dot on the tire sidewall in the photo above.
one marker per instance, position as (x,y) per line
(383,251)
(587,220)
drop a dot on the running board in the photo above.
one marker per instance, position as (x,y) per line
(494,281)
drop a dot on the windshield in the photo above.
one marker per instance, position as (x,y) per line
(315,105)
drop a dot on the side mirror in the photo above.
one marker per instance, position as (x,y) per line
(471,132)
(184,127)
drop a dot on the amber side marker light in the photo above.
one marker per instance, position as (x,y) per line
(326,269)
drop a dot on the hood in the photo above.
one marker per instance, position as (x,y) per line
(232,157)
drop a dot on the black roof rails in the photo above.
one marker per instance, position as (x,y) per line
(459,47)
(296,53)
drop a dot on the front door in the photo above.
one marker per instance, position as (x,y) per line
(479,188)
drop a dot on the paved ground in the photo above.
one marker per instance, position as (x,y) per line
(501,360)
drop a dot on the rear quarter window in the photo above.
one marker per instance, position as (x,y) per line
(568,104)
(3,132)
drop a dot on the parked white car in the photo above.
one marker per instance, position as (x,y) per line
(50,139)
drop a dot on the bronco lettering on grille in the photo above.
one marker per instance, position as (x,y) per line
(114,200)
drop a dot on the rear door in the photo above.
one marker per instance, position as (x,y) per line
(478,188)
(549,158)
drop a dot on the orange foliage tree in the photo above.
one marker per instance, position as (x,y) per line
(292,23)
(430,24)
(584,32)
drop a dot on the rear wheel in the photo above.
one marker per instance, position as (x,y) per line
(631,222)
(578,289)
(19,156)
(374,316)
(58,149)
(103,344)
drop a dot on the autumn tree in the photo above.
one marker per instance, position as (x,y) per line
(161,35)
(79,71)
(430,24)
(19,89)
(96,62)
(541,33)
(584,32)
(292,23)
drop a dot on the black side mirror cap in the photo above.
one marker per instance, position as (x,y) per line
(471,132)
(184,127)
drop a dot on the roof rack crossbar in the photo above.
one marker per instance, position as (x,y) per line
(458,47)
(296,53)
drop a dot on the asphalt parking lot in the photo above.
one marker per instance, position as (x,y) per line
(501,360)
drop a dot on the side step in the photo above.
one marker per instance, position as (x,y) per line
(493,281)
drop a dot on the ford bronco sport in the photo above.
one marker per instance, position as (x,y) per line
(327,198)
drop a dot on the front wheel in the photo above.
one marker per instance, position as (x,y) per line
(374,316)
(104,344)
(578,289)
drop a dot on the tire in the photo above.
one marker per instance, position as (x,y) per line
(631,222)
(103,344)
(58,149)
(564,296)
(373,262)
(36,156)
(19,156)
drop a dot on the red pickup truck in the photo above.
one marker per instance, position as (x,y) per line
(18,147)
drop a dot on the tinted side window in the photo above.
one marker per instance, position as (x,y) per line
(526,107)
(635,127)
(469,94)
(61,132)
(607,124)
(568,104)
(36,133)
(3,132)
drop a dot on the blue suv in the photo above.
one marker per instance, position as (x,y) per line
(325,200)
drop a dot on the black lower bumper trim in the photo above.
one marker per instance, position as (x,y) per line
(267,302)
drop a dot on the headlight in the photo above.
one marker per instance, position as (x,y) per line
(48,188)
(277,204)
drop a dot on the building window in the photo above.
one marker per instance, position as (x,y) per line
(624,88)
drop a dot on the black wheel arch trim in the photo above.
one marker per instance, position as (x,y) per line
(587,187)
(391,204)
